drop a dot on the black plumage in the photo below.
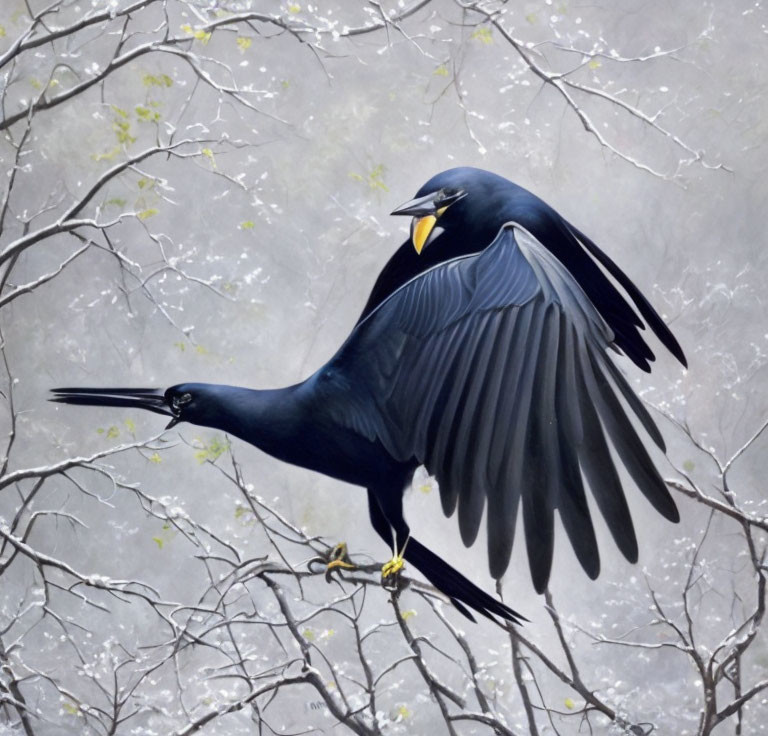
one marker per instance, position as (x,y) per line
(481,354)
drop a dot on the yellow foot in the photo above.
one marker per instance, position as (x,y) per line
(338,558)
(393,566)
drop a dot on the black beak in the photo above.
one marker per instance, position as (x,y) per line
(420,207)
(150,399)
(429,204)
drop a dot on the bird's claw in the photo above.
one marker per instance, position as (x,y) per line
(393,566)
(390,572)
(338,558)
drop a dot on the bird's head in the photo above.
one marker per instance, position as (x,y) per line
(190,402)
(463,201)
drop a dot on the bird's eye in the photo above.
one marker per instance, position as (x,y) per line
(447,196)
(178,401)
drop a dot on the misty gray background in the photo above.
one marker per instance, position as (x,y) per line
(291,226)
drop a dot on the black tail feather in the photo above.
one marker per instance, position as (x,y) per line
(149,399)
(459,589)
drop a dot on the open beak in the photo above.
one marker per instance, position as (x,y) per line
(150,399)
(425,212)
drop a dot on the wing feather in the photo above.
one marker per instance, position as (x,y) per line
(491,370)
(460,439)
(602,477)
(538,461)
(628,445)
(572,500)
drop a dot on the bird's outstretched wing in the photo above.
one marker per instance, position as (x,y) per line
(492,371)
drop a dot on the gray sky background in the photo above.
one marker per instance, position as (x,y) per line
(285,214)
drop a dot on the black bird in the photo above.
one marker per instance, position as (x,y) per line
(481,354)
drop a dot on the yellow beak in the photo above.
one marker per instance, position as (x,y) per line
(422,227)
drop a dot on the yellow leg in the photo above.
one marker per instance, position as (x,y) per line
(396,563)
